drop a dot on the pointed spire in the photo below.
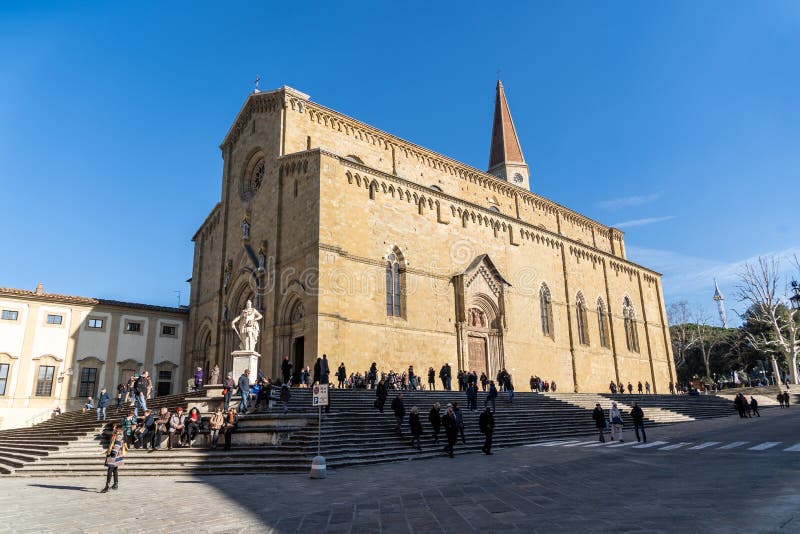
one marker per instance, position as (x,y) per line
(505,155)
(717,292)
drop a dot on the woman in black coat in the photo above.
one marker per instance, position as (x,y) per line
(599,420)
(450,430)
(380,396)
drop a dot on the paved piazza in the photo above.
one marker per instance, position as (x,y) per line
(717,476)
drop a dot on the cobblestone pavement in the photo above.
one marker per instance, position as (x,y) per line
(524,489)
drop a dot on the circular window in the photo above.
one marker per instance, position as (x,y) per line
(253,177)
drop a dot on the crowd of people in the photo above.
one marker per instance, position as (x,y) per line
(613,423)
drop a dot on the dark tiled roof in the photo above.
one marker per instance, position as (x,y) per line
(89,301)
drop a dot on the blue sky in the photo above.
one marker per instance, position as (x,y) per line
(677,121)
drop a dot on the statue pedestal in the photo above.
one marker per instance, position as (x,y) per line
(245,359)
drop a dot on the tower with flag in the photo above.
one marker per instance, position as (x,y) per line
(720,300)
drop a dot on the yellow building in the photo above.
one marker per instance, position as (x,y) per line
(361,245)
(57,350)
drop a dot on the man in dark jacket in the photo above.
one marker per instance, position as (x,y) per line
(380,395)
(318,371)
(432,379)
(443,376)
(436,421)
(491,396)
(399,409)
(486,424)
(459,421)
(146,432)
(754,405)
(341,374)
(244,390)
(450,430)
(286,370)
(599,420)
(472,397)
(638,421)
(325,370)
(102,404)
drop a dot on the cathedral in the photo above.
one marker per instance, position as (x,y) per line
(355,243)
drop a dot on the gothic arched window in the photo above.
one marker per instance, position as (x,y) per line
(629,318)
(580,312)
(602,324)
(253,176)
(546,310)
(393,293)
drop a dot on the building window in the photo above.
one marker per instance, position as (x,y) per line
(546,310)
(88,382)
(44,382)
(580,313)
(4,367)
(133,327)
(9,315)
(95,323)
(164,386)
(629,318)
(54,319)
(602,323)
(168,330)
(393,294)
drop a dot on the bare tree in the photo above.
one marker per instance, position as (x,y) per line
(759,289)
(683,335)
(708,338)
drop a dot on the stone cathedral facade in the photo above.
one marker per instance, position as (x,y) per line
(361,245)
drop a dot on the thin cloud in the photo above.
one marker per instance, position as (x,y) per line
(642,222)
(626,202)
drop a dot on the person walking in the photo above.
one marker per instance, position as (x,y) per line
(228,385)
(612,387)
(615,418)
(341,374)
(399,410)
(326,370)
(244,390)
(599,421)
(486,425)
(639,387)
(485,381)
(317,371)
(780,399)
(431,379)
(754,405)
(115,455)
(120,393)
(638,421)
(102,404)
(229,427)
(510,389)
(491,396)
(380,395)
(630,388)
(460,421)
(786,398)
(450,430)
(286,395)
(435,418)
(647,387)
(415,425)
(286,370)
(472,397)
(215,423)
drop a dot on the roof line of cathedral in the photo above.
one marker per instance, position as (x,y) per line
(400,141)
(434,193)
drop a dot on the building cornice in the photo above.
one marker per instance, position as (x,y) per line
(55,298)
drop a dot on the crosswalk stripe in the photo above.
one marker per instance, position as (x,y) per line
(793,448)
(675,446)
(617,445)
(704,445)
(579,443)
(543,443)
(653,444)
(599,444)
(764,446)
(565,443)
(733,445)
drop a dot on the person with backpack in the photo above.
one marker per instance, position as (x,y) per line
(615,418)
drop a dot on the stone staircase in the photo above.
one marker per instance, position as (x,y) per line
(353,433)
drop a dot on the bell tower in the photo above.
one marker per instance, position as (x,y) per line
(505,155)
